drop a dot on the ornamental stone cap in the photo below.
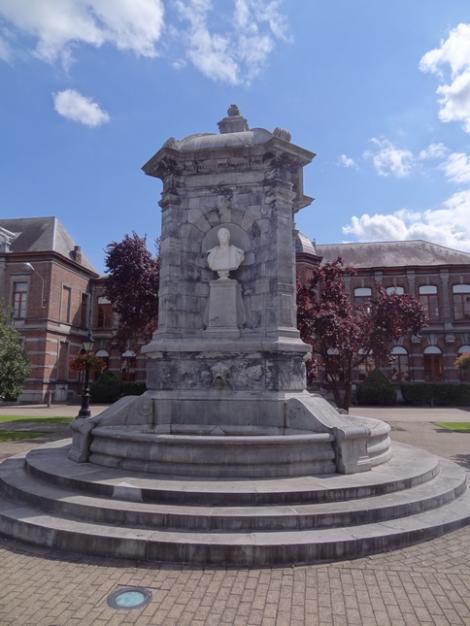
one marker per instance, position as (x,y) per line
(210,141)
(234,135)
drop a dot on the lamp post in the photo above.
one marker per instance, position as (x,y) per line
(85,408)
(31,268)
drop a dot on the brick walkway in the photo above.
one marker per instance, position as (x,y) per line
(425,584)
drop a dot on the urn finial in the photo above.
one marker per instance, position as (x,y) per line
(234,122)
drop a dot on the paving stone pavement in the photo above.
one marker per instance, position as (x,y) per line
(426,584)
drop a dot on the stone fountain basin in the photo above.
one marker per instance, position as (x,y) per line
(226,451)
(192,451)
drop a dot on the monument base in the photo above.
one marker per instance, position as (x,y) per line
(50,501)
(230,435)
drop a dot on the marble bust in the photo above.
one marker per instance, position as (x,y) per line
(225,257)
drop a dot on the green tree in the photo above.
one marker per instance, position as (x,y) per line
(14,365)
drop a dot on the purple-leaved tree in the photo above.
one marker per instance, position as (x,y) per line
(344,335)
(132,287)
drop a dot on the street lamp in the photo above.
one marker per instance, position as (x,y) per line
(31,268)
(85,408)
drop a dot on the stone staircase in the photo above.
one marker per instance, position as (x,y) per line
(49,500)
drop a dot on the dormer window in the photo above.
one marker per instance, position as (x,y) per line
(6,239)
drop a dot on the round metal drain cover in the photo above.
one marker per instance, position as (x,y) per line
(129,598)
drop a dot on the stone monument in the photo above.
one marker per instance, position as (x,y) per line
(227,458)
(227,358)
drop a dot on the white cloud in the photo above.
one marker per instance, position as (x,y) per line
(388,160)
(433,151)
(58,25)
(454,53)
(238,54)
(73,106)
(209,52)
(347,162)
(228,45)
(5,50)
(457,167)
(455,101)
(448,225)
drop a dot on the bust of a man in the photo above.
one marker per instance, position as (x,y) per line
(225,257)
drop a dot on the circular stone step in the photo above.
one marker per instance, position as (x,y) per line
(406,469)
(449,484)
(25,522)
(48,500)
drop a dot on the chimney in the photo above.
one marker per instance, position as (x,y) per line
(76,254)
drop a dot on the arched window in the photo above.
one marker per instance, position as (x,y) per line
(362,295)
(464,376)
(104,356)
(128,365)
(400,363)
(461,302)
(433,363)
(430,300)
(399,291)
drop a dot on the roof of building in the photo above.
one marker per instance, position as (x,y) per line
(393,254)
(304,245)
(42,234)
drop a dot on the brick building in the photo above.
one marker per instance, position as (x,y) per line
(56,295)
(438,276)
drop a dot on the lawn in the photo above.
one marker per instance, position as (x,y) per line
(18,435)
(37,420)
(455,427)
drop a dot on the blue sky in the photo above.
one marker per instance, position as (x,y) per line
(90,89)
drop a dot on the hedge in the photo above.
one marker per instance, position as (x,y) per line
(436,394)
(109,388)
(376,390)
(132,389)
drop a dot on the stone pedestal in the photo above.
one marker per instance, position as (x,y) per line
(223,300)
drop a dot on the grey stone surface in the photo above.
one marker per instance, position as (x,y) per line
(52,501)
(227,347)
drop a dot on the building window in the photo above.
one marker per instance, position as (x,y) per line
(105,313)
(84,311)
(461,302)
(104,356)
(20,300)
(62,361)
(128,366)
(395,290)
(430,301)
(464,376)
(433,364)
(400,363)
(362,295)
(66,304)
(366,366)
